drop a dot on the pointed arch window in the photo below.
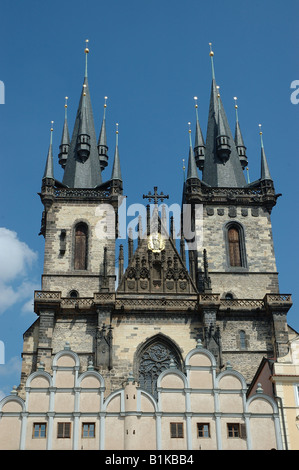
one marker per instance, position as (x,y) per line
(236,246)
(81,246)
(155,357)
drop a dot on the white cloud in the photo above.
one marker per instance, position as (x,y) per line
(16,258)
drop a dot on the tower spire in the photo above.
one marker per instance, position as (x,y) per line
(199,145)
(49,169)
(65,139)
(82,169)
(222,166)
(239,139)
(102,142)
(265,172)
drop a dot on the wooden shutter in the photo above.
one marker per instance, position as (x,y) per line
(81,247)
(234,247)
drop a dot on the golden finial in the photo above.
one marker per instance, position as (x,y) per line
(218,88)
(235,98)
(84,93)
(117,127)
(211,52)
(86,48)
(105,103)
(184,168)
(65,105)
(195,99)
(52,122)
(189,124)
(260,126)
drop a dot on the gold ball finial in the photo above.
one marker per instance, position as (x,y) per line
(117,127)
(86,48)
(52,122)
(235,98)
(260,126)
(184,164)
(189,124)
(66,98)
(105,103)
(195,99)
(211,52)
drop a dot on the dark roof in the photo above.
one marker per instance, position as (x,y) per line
(216,173)
(85,174)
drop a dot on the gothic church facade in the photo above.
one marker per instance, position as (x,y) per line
(219,287)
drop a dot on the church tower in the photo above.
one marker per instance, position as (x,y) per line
(217,284)
(243,312)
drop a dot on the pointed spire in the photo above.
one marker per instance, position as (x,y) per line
(116,179)
(239,140)
(222,166)
(102,142)
(82,168)
(116,173)
(192,170)
(265,172)
(49,170)
(199,145)
(65,139)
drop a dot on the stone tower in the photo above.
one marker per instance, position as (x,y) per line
(219,285)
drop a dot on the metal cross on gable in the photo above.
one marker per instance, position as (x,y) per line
(155,197)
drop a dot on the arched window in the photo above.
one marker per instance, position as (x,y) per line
(155,357)
(235,245)
(81,246)
(242,337)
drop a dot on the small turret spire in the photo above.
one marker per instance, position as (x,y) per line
(49,169)
(192,170)
(65,139)
(265,172)
(241,149)
(116,178)
(199,145)
(102,142)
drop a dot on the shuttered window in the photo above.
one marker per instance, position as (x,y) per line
(81,242)
(234,247)
(64,430)
(177,430)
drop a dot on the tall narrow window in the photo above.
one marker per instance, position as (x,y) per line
(81,241)
(242,340)
(234,247)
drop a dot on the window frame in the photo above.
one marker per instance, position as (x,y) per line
(39,430)
(89,424)
(203,430)
(64,424)
(177,434)
(87,241)
(242,246)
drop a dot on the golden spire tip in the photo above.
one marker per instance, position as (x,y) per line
(86,48)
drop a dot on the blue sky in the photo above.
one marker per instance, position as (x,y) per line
(150,59)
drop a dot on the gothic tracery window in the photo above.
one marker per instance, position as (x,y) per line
(154,359)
